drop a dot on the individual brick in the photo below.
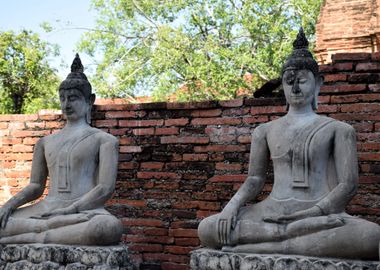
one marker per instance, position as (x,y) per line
(176,122)
(350,57)
(141,123)
(184,140)
(367,67)
(216,121)
(335,78)
(206,113)
(344,88)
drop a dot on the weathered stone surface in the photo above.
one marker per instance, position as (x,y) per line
(60,257)
(208,259)
(75,266)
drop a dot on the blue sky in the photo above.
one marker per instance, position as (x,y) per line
(29,14)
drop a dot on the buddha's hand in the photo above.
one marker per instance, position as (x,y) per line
(226,223)
(61,211)
(5,212)
(310,212)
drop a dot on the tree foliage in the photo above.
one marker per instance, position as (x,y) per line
(27,82)
(197,49)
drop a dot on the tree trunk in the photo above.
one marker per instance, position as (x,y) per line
(18,101)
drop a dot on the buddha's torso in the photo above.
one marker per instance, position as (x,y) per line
(302,155)
(72,160)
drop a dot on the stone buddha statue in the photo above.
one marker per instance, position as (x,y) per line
(315,176)
(81,163)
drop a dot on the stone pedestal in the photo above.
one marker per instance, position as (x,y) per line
(208,259)
(61,257)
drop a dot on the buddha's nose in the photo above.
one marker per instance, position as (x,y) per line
(66,105)
(296,89)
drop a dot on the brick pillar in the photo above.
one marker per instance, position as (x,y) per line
(347,26)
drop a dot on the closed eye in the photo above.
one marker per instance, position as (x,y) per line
(72,98)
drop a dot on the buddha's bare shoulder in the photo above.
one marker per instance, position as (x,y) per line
(265,128)
(105,137)
(262,128)
(340,125)
(337,126)
(276,126)
(47,139)
(342,130)
(98,135)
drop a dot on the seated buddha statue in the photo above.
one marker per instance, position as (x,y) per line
(81,163)
(315,176)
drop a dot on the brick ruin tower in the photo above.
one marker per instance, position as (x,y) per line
(347,26)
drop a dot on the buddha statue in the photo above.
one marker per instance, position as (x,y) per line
(315,176)
(81,163)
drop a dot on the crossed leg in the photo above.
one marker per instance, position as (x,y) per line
(247,231)
(356,239)
(75,229)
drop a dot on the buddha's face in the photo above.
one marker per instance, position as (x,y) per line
(300,87)
(73,104)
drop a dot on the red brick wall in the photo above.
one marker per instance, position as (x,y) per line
(180,162)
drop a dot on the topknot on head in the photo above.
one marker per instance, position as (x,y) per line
(301,57)
(77,66)
(77,79)
(301,41)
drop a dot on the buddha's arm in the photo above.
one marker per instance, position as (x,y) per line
(346,165)
(253,185)
(35,187)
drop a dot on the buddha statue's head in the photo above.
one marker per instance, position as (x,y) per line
(75,92)
(300,75)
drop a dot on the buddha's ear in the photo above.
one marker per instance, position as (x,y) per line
(319,79)
(92,99)
(318,82)
(88,113)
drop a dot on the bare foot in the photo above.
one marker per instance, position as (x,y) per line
(227,248)
(312,224)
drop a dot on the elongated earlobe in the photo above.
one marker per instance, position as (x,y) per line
(88,115)
(319,83)
(314,103)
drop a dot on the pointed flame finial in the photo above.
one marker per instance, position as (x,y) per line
(301,57)
(301,41)
(77,66)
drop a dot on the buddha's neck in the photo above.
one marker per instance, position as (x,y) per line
(300,111)
(76,124)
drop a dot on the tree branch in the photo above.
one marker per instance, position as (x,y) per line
(103,31)
(136,70)
(139,9)
(198,24)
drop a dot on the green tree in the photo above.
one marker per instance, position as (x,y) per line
(27,82)
(197,49)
